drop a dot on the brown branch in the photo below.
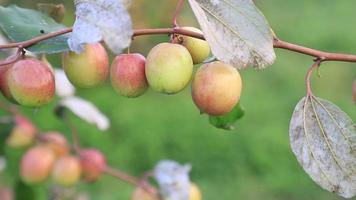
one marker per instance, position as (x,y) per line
(121,175)
(74,132)
(321,55)
(19,54)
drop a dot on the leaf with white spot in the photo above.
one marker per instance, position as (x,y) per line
(63,87)
(86,111)
(323,138)
(97,20)
(237,32)
(173,179)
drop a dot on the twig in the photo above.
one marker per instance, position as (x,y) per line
(316,64)
(74,132)
(19,53)
(278,43)
(121,175)
(179,8)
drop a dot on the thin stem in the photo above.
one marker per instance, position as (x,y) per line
(121,175)
(316,64)
(74,132)
(179,8)
(19,54)
(158,31)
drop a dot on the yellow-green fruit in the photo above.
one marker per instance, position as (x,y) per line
(216,88)
(169,68)
(56,142)
(23,134)
(66,170)
(198,49)
(36,165)
(87,69)
(195,193)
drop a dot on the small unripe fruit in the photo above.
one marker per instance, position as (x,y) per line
(216,88)
(23,134)
(66,170)
(140,194)
(195,193)
(87,69)
(36,165)
(31,82)
(56,142)
(169,68)
(93,163)
(128,75)
(198,49)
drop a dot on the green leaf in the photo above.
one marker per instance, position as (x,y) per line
(227,121)
(21,24)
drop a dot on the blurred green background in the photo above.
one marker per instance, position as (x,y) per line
(252,162)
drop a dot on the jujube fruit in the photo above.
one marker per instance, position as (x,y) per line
(66,170)
(56,142)
(23,134)
(93,163)
(128,75)
(31,83)
(198,49)
(87,69)
(169,68)
(216,88)
(36,165)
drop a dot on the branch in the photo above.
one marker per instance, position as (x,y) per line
(278,43)
(121,175)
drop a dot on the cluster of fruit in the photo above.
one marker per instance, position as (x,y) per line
(216,87)
(49,155)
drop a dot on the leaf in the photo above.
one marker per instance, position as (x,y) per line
(56,11)
(173,179)
(323,138)
(237,32)
(86,111)
(103,19)
(21,24)
(227,121)
(63,86)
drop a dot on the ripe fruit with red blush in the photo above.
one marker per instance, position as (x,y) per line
(31,83)
(23,134)
(216,88)
(87,69)
(93,163)
(56,142)
(128,75)
(66,170)
(36,165)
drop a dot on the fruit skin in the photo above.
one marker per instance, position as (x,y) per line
(198,49)
(140,194)
(128,75)
(216,88)
(36,165)
(87,69)
(195,193)
(31,83)
(66,170)
(23,134)
(56,142)
(93,163)
(4,87)
(169,68)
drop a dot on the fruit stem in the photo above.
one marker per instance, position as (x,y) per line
(316,65)
(75,134)
(179,9)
